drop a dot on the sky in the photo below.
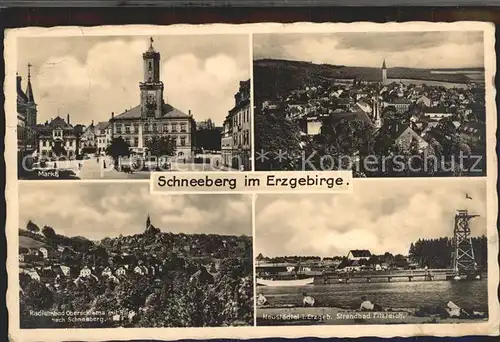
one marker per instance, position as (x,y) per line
(90,77)
(381,216)
(98,210)
(400,49)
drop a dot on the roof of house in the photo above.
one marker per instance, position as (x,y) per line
(360,253)
(438,110)
(351,116)
(400,101)
(58,121)
(102,125)
(168,111)
(472,127)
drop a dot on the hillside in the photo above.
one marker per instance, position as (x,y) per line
(274,77)
(28,242)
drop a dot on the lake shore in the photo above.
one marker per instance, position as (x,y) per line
(339,316)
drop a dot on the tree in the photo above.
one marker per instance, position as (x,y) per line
(32,227)
(48,232)
(161,146)
(118,148)
(275,134)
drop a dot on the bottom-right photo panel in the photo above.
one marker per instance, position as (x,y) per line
(407,251)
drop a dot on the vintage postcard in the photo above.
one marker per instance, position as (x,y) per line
(405,256)
(248,181)
(118,107)
(118,256)
(367,101)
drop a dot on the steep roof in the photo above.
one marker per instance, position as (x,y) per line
(172,112)
(133,113)
(58,121)
(168,111)
(102,125)
(351,116)
(29,91)
(360,253)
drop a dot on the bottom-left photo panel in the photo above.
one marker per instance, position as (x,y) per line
(110,255)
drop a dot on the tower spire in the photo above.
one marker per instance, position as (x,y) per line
(384,73)
(151,48)
(29,89)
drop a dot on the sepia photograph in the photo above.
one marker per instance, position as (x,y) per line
(119,107)
(107,256)
(382,104)
(415,254)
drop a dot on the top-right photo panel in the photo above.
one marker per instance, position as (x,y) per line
(382,104)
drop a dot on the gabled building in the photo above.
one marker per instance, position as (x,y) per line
(236,134)
(57,138)
(88,140)
(103,136)
(404,136)
(401,104)
(424,100)
(359,254)
(437,113)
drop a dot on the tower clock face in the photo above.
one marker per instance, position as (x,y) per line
(151,100)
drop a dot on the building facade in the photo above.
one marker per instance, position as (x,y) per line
(236,141)
(57,139)
(26,115)
(154,117)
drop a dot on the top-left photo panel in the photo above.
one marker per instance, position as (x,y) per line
(121,107)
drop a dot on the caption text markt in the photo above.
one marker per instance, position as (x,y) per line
(269,180)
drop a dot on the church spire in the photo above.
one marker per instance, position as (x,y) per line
(384,73)
(29,89)
(151,48)
(148,222)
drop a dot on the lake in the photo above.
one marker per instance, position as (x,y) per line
(466,294)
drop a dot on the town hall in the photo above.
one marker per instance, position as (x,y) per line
(153,116)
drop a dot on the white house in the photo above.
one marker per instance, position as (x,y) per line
(359,254)
(32,273)
(437,113)
(141,270)
(121,271)
(424,100)
(44,252)
(85,272)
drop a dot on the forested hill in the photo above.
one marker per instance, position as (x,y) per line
(277,77)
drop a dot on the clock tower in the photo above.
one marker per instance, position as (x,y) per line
(152,87)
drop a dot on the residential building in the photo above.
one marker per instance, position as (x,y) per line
(57,138)
(88,139)
(102,136)
(424,100)
(153,116)
(401,104)
(404,136)
(437,113)
(85,272)
(237,127)
(359,254)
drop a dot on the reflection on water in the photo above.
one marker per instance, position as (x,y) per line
(466,294)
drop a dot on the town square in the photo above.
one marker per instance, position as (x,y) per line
(55,141)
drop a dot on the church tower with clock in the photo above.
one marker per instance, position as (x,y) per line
(152,87)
